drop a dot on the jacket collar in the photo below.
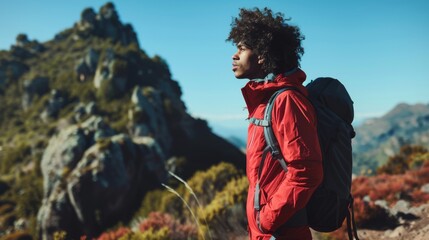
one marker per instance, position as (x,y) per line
(258,91)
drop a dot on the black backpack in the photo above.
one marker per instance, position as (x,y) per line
(332,201)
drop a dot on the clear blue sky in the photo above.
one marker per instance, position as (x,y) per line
(379,49)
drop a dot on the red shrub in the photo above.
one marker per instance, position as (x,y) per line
(158,220)
(393,187)
(113,235)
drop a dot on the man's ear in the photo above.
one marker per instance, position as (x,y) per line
(261,60)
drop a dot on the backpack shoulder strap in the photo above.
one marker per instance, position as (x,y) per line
(270,138)
(300,217)
(271,141)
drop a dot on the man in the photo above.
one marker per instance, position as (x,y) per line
(268,54)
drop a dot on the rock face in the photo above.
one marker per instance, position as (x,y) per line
(110,78)
(86,66)
(94,178)
(105,24)
(147,116)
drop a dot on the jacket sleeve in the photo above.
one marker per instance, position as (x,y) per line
(294,125)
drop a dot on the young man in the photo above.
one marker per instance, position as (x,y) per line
(268,54)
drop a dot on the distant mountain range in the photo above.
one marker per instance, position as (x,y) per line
(379,138)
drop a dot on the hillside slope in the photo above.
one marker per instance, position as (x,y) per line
(379,138)
(89,123)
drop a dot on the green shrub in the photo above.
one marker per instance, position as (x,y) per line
(235,192)
(206,183)
(409,157)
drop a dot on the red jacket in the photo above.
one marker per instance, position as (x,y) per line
(294,125)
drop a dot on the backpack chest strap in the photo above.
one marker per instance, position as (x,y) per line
(259,122)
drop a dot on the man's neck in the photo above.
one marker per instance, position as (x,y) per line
(268,77)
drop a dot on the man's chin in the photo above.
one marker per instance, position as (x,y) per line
(238,76)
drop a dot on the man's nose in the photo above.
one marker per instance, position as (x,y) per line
(235,56)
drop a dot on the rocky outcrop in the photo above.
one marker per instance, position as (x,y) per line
(105,24)
(110,78)
(147,117)
(87,65)
(119,126)
(24,48)
(94,178)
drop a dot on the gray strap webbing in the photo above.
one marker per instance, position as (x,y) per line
(256,203)
(259,122)
(270,138)
(257,195)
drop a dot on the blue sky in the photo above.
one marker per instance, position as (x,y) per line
(379,49)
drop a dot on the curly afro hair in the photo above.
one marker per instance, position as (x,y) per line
(278,43)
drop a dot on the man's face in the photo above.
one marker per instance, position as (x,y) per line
(246,64)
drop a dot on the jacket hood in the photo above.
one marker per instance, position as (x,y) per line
(258,92)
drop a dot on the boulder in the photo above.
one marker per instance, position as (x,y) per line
(21,40)
(87,20)
(147,116)
(110,81)
(62,154)
(94,179)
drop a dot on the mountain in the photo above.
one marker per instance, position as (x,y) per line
(378,139)
(89,124)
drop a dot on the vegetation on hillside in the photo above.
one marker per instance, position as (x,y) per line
(405,177)
(24,134)
(210,205)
